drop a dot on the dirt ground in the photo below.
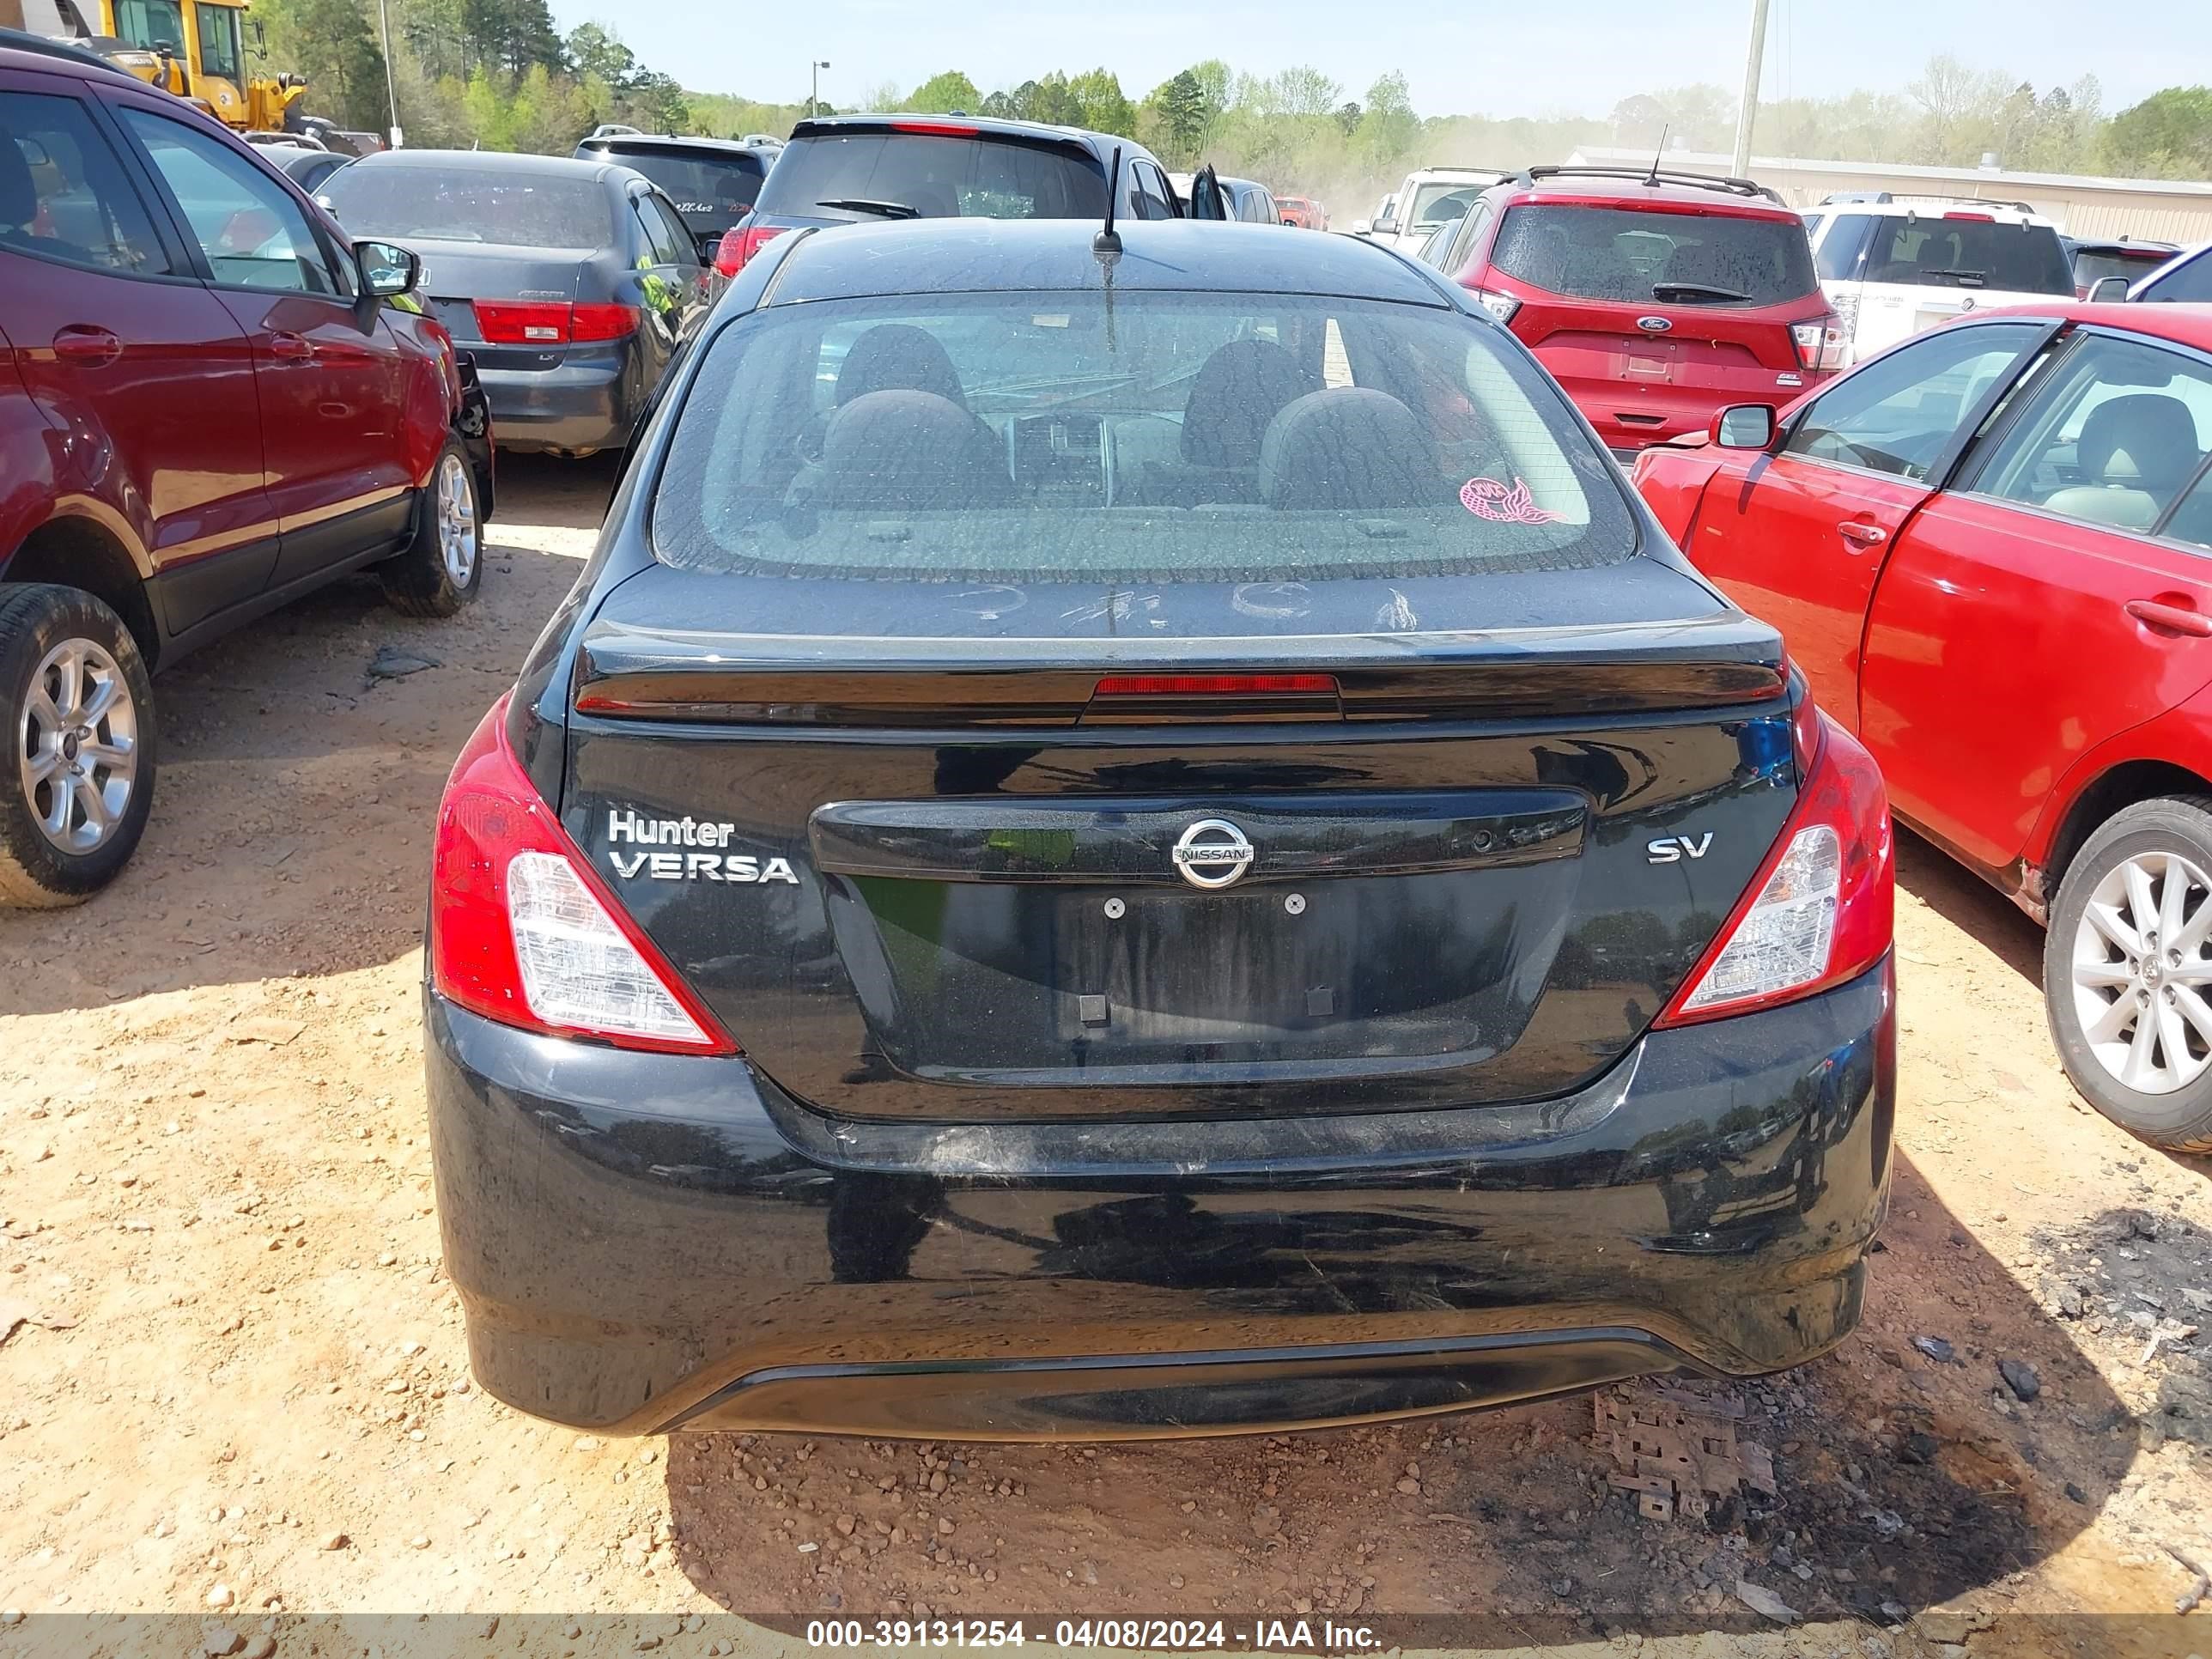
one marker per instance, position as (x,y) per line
(235,1384)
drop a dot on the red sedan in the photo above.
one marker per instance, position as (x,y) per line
(1989,550)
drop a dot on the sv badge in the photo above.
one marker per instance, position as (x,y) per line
(1672,849)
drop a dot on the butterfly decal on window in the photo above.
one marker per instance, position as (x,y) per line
(1487,498)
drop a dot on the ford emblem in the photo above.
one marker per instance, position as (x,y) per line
(1654,325)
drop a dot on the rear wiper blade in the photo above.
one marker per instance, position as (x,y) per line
(860,204)
(1977,278)
(1694,291)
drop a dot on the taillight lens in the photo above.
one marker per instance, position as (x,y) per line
(1846,309)
(550,323)
(1821,909)
(1212,685)
(740,243)
(523,930)
(1500,306)
(1822,344)
(523,322)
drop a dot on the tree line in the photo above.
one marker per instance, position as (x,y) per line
(498,74)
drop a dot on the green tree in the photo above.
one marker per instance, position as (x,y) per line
(1180,105)
(941,94)
(1387,128)
(1102,105)
(594,49)
(331,43)
(2167,135)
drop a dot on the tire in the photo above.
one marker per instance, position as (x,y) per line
(2129,869)
(443,566)
(64,832)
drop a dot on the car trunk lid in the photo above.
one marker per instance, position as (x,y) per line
(927,867)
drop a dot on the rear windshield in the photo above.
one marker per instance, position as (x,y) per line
(2092,266)
(709,189)
(898,175)
(1942,252)
(468,204)
(1637,255)
(1008,438)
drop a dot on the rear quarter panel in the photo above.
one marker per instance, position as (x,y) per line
(2181,737)
(1672,479)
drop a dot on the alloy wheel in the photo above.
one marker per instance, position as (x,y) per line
(77,745)
(457,521)
(2142,982)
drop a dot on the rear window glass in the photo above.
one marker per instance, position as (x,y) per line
(1636,255)
(2093,265)
(1942,252)
(709,191)
(468,204)
(1161,437)
(932,176)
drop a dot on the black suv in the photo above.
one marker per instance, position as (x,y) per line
(712,181)
(847,169)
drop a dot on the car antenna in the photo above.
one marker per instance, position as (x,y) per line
(1659,154)
(1107,244)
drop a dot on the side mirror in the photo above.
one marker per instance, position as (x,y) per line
(1385,226)
(387,270)
(2108,291)
(1744,426)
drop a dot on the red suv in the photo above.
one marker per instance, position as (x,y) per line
(1989,550)
(1654,298)
(210,402)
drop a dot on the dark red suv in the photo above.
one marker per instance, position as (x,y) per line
(210,402)
(1655,299)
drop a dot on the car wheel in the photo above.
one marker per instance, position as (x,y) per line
(442,567)
(2127,972)
(78,708)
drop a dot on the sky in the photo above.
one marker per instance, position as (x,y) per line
(1457,58)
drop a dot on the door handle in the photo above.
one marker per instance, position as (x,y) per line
(2174,619)
(1862,535)
(291,348)
(87,346)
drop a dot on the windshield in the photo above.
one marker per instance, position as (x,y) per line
(910,175)
(465,204)
(1944,250)
(149,23)
(710,191)
(1640,255)
(1009,438)
(1434,203)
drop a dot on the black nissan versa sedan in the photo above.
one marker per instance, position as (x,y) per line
(1122,843)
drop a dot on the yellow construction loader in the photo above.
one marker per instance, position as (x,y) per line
(193,48)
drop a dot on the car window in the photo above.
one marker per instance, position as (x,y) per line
(1899,413)
(2116,435)
(2187,285)
(665,235)
(1639,255)
(149,24)
(1434,203)
(2092,266)
(1838,258)
(1156,435)
(2192,520)
(513,207)
(710,189)
(253,231)
(1149,192)
(1813,223)
(934,176)
(1469,231)
(80,207)
(1962,249)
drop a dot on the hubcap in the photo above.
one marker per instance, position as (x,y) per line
(77,746)
(2141,973)
(457,521)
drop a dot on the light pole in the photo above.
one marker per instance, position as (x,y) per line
(390,87)
(814,91)
(1747,112)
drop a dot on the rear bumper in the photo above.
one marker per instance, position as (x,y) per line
(643,1242)
(591,404)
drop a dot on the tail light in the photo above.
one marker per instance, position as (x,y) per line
(1821,909)
(1823,345)
(740,243)
(524,931)
(549,323)
(1212,685)
(1500,306)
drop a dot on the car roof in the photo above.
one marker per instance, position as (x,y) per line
(946,256)
(616,142)
(2188,326)
(985,126)
(492,161)
(1585,190)
(1935,207)
(2123,244)
(22,50)
(1455,175)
